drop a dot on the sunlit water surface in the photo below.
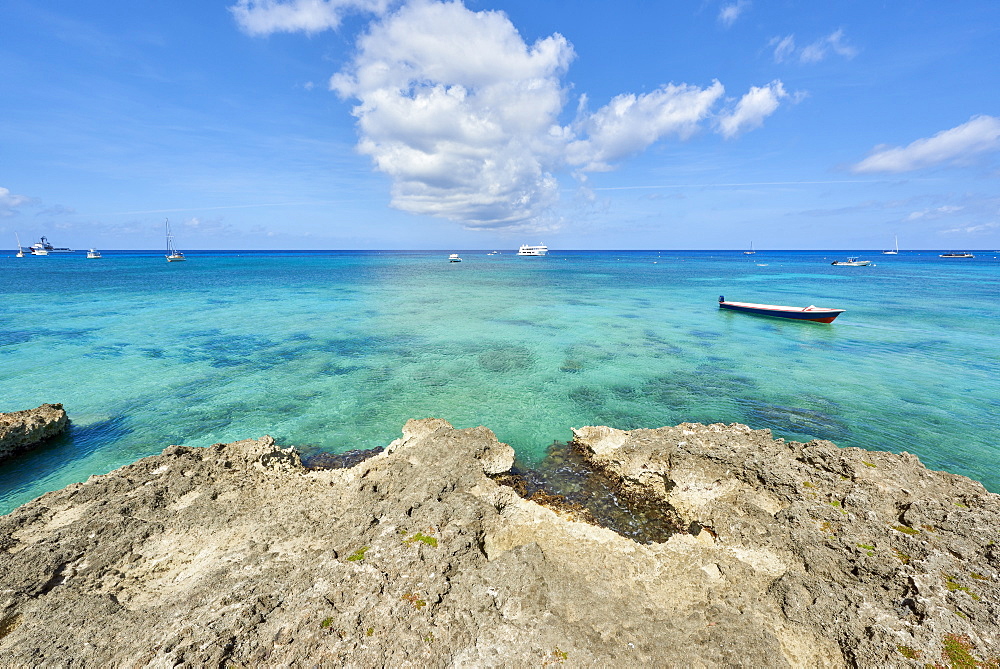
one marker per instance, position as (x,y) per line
(335,351)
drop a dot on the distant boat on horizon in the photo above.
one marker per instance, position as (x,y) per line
(895,251)
(454,257)
(173,255)
(93,253)
(20,251)
(751,251)
(963,254)
(852,262)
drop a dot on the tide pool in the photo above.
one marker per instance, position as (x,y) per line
(332,351)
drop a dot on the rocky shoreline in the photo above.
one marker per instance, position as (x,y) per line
(779,554)
(22,430)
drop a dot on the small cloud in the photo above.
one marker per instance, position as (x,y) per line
(750,112)
(10,202)
(630,123)
(785,49)
(981,134)
(729,13)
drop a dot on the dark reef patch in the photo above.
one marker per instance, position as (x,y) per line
(502,358)
(339,460)
(564,481)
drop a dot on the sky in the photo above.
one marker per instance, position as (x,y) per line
(419,124)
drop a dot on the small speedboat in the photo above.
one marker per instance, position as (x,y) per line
(963,254)
(454,257)
(852,262)
(810,313)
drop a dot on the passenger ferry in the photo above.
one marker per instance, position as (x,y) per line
(526,250)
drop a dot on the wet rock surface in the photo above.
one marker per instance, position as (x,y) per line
(788,554)
(21,430)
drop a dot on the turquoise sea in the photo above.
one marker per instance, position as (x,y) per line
(333,351)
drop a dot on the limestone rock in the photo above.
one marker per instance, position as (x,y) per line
(20,430)
(236,555)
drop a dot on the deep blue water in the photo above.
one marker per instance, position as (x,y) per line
(336,350)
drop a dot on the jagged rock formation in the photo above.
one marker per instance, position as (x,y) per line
(236,555)
(20,430)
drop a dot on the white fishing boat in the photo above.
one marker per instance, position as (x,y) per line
(173,255)
(44,248)
(852,262)
(493,253)
(895,250)
(454,258)
(93,253)
(527,250)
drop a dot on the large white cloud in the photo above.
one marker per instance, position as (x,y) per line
(263,17)
(466,117)
(980,134)
(460,112)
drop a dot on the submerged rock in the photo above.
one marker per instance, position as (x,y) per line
(237,555)
(21,430)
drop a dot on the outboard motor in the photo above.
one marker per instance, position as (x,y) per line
(722,298)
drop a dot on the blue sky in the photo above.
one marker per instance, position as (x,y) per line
(331,124)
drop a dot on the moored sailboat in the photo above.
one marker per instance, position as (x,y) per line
(173,255)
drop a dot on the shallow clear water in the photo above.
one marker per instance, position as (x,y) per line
(335,351)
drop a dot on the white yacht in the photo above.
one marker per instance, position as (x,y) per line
(43,248)
(454,257)
(539,250)
(93,253)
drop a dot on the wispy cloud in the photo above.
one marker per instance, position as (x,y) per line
(981,134)
(464,115)
(785,48)
(745,184)
(263,17)
(257,205)
(729,13)
(972,229)
(933,213)
(11,202)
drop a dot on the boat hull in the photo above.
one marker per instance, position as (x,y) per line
(814,314)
